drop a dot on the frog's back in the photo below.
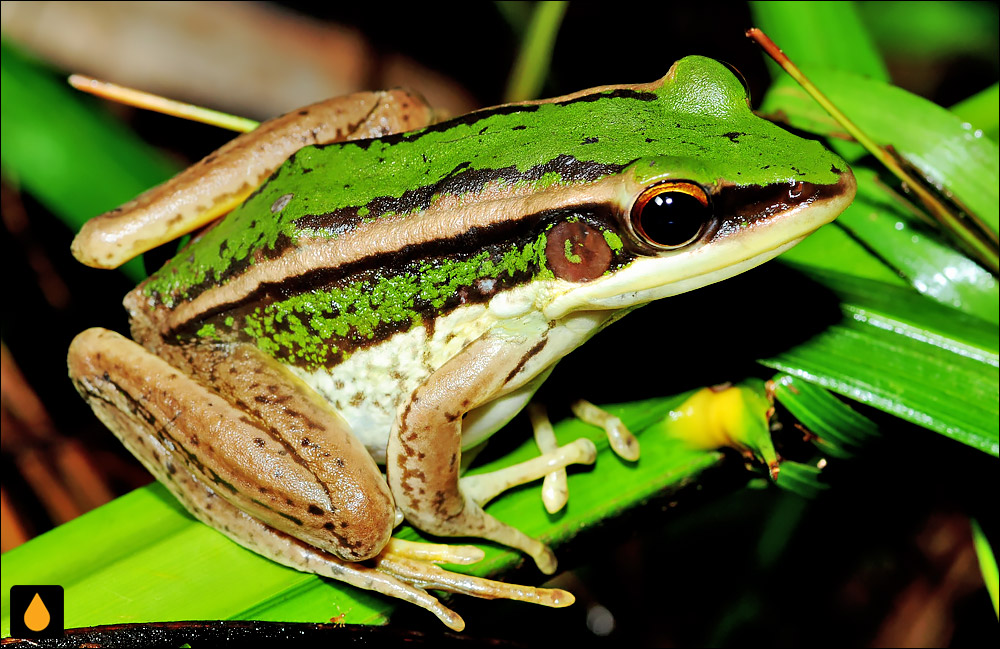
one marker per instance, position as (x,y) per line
(351,243)
(328,192)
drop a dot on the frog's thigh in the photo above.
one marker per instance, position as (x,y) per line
(323,488)
(424,450)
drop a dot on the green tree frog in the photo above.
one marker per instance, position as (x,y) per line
(385,290)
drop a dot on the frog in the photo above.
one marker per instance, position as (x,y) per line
(373,292)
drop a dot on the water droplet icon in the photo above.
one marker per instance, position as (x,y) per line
(36,617)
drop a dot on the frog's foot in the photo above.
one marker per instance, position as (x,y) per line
(405,570)
(487,486)
(622,442)
(555,491)
(480,489)
(414,564)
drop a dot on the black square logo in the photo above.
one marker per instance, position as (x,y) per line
(36,611)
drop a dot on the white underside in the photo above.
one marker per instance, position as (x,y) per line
(392,370)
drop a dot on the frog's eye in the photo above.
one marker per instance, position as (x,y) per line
(671,214)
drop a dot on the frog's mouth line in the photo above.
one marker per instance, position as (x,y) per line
(650,278)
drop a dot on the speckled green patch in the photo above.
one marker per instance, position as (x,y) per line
(571,257)
(318,327)
(613,240)
(207,331)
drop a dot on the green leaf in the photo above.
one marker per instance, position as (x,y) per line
(801,479)
(898,352)
(982,111)
(879,238)
(532,65)
(827,34)
(987,564)
(880,218)
(943,147)
(834,249)
(840,431)
(932,30)
(142,558)
(73,158)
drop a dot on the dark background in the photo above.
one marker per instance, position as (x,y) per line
(883,557)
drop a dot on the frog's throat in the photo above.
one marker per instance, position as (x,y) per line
(650,278)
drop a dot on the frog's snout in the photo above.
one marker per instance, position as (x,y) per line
(827,202)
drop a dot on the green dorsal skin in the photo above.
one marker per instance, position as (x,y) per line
(699,112)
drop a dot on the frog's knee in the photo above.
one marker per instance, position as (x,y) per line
(362,529)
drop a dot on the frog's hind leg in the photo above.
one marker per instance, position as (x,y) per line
(254,438)
(132,411)
(222,180)
(196,441)
(424,451)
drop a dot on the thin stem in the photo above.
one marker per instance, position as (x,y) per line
(986,253)
(532,64)
(149,101)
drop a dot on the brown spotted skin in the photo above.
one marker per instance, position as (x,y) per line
(206,190)
(260,440)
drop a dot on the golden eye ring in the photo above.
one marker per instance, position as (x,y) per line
(671,214)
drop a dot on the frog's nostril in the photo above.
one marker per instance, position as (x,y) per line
(843,190)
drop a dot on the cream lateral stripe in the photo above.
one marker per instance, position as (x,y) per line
(222,180)
(446,219)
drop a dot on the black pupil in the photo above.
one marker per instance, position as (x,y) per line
(672,218)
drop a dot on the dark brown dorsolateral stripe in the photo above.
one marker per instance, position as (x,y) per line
(317,318)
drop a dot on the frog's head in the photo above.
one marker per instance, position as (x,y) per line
(728,192)
(676,230)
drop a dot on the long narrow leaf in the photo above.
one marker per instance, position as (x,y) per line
(981,111)
(839,430)
(987,565)
(945,149)
(142,558)
(896,351)
(828,34)
(878,217)
(73,158)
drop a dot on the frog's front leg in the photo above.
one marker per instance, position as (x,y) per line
(424,451)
